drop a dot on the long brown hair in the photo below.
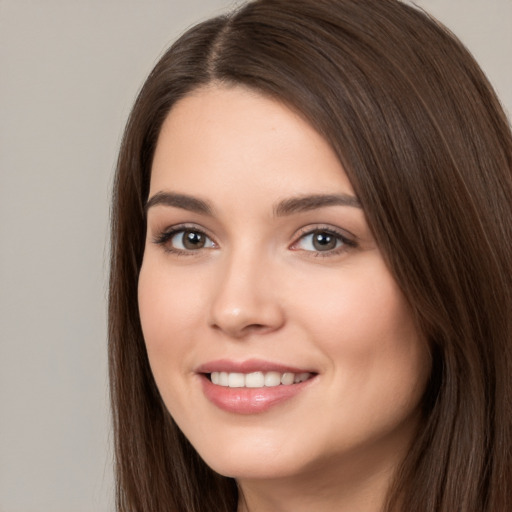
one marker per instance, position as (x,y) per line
(428,150)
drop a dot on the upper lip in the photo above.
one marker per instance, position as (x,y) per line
(248,366)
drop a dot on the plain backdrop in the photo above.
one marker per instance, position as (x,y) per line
(69,72)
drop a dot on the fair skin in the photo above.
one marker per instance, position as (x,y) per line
(243,275)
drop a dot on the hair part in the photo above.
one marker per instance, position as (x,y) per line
(428,150)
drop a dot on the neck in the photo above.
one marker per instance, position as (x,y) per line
(345,495)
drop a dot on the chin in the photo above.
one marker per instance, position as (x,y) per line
(252,459)
(267,468)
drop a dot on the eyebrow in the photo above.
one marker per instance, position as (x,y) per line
(312,202)
(183,201)
(283,208)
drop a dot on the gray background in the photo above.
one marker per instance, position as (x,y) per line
(69,71)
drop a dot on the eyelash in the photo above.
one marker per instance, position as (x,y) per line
(347,243)
(165,237)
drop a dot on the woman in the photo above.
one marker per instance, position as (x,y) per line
(311,279)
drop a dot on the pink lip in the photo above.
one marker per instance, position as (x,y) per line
(248,366)
(249,400)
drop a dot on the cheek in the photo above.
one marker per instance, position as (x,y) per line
(364,325)
(362,305)
(169,309)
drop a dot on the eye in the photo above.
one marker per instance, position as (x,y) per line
(182,240)
(323,241)
(190,240)
(319,241)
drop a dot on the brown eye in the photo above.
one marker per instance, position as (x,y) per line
(188,240)
(193,240)
(320,240)
(324,241)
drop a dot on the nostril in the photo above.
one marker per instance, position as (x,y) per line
(256,327)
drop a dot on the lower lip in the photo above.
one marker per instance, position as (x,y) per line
(250,400)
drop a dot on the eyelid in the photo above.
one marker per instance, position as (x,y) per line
(162,237)
(349,241)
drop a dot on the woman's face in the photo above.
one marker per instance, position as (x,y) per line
(260,274)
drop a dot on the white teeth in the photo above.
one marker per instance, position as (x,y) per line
(287,379)
(257,379)
(223,378)
(272,379)
(236,380)
(301,377)
(254,380)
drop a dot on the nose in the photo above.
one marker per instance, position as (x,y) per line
(245,298)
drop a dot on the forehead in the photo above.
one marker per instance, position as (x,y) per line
(239,138)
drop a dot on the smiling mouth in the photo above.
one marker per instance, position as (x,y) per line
(257,379)
(253,386)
